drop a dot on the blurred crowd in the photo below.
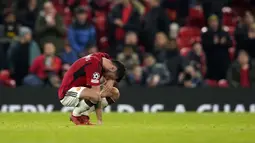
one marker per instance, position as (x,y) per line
(186,43)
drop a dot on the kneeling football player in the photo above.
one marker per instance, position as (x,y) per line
(80,87)
(111,98)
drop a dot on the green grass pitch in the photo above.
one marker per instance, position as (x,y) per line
(129,128)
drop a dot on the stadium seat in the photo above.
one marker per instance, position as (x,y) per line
(187,41)
(211,83)
(232,30)
(196,13)
(100,21)
(229,21)
(184,42)
(196,17)
(187,31)
(229,17)
(231,52)
(67,17)
(4,75)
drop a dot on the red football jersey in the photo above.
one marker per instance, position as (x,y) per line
(101,55)
(85,72)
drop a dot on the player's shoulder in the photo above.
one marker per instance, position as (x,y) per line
(91,58)
(101,55)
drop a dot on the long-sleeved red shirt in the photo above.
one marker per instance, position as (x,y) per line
(38,67)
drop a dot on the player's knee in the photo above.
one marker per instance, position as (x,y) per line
(96,97)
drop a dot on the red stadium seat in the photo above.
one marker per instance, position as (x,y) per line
(231,52)
(230,30)
(100,21)
(229,17)
(184,42)
(67,17)
(196,13)
(186,32)
(196,17)
(4,75)
(211,83)
(187,41)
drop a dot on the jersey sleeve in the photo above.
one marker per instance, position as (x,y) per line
(106,55)
(93,73)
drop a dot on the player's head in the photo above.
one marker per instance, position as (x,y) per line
(116,71)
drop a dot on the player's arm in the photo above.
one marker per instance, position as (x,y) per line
(107,88)
(93,79)
(99,113)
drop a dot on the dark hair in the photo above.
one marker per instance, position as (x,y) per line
(91,45)
(121,70)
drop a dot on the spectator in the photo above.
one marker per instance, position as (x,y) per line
(196,57)
(124,17)
(156,74)
(11,26)
(156,20)
(129,58)
(6,80)
(174,61)
(241,72)
(27,15)
(81,33)
(92,49)
(131,39)
(65,68)
(3,5)
(216,43)
(22,54)
(3,60)
(9,31)
(50,27)
(250,41)
(68,56)
(135,78)
(161,46)
(213,7)
(191,78)
(241,32)
(45,68)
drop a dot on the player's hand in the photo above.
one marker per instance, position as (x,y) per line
(99,122)
(107,87)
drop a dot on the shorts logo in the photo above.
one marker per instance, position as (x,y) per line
(96,76)
(71,93)
(78,88)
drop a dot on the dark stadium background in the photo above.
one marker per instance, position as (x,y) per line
(168,46)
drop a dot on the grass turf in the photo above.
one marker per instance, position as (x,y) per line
(129,128)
